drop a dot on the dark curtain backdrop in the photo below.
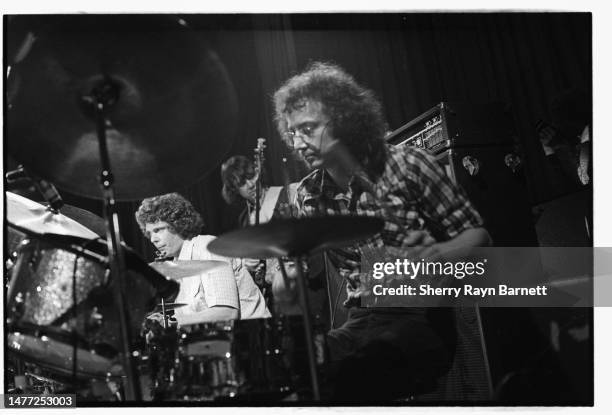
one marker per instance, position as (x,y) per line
(411,61)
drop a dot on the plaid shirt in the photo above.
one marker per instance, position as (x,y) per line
(413,193)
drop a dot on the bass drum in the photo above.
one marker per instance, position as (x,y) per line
(50,275)
(23,375)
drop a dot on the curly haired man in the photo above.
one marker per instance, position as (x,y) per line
(173,225)
(337,127)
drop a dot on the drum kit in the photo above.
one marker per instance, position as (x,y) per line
(137,93)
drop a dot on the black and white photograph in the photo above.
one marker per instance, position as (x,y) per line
(301,209)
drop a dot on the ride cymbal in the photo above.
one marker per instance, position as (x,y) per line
(186,268)
(172,112)
(295,237)
(168,307)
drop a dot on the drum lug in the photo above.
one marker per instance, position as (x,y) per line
(95,320)
(34,259)
(106,278)
(17,310)
(21,246)
(10,264)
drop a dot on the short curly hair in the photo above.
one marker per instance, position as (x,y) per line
(173,209)
(356,115)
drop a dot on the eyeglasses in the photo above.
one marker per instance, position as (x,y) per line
(305,130)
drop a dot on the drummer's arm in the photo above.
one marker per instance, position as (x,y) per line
(221,296)
(284,289)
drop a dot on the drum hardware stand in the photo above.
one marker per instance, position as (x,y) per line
(259,160)
(303,297)
(297,238)
(257,202)
(101,99)
(163,307)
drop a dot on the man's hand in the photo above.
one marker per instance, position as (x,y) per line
(348,268)
(155,317)
(291,268)
(284,290)
(417,245)
(252,264)
(153,324)
(415,238)
(356,289)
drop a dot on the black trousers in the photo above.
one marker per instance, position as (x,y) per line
(380,355)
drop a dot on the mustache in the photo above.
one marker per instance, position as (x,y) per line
(312,150)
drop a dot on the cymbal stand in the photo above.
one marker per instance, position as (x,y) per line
(257,202)
(163,307)
(103,96)
(259,160)
(303,297)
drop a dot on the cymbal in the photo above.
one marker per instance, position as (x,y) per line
(168,307)
(86,218)
(294,237)
(186,268)
(33,217)
(171,95)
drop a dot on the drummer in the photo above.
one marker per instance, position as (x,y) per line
(172,225)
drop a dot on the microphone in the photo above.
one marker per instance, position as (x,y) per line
(46,189)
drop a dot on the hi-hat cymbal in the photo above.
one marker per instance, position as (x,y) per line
(294,237)
(86,218)
(33,217)
(186,268)
(173,112)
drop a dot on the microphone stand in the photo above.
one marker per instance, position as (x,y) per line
(310,348)
(259,159)
(103,96)
(257,197)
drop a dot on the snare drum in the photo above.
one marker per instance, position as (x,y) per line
(240,359)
